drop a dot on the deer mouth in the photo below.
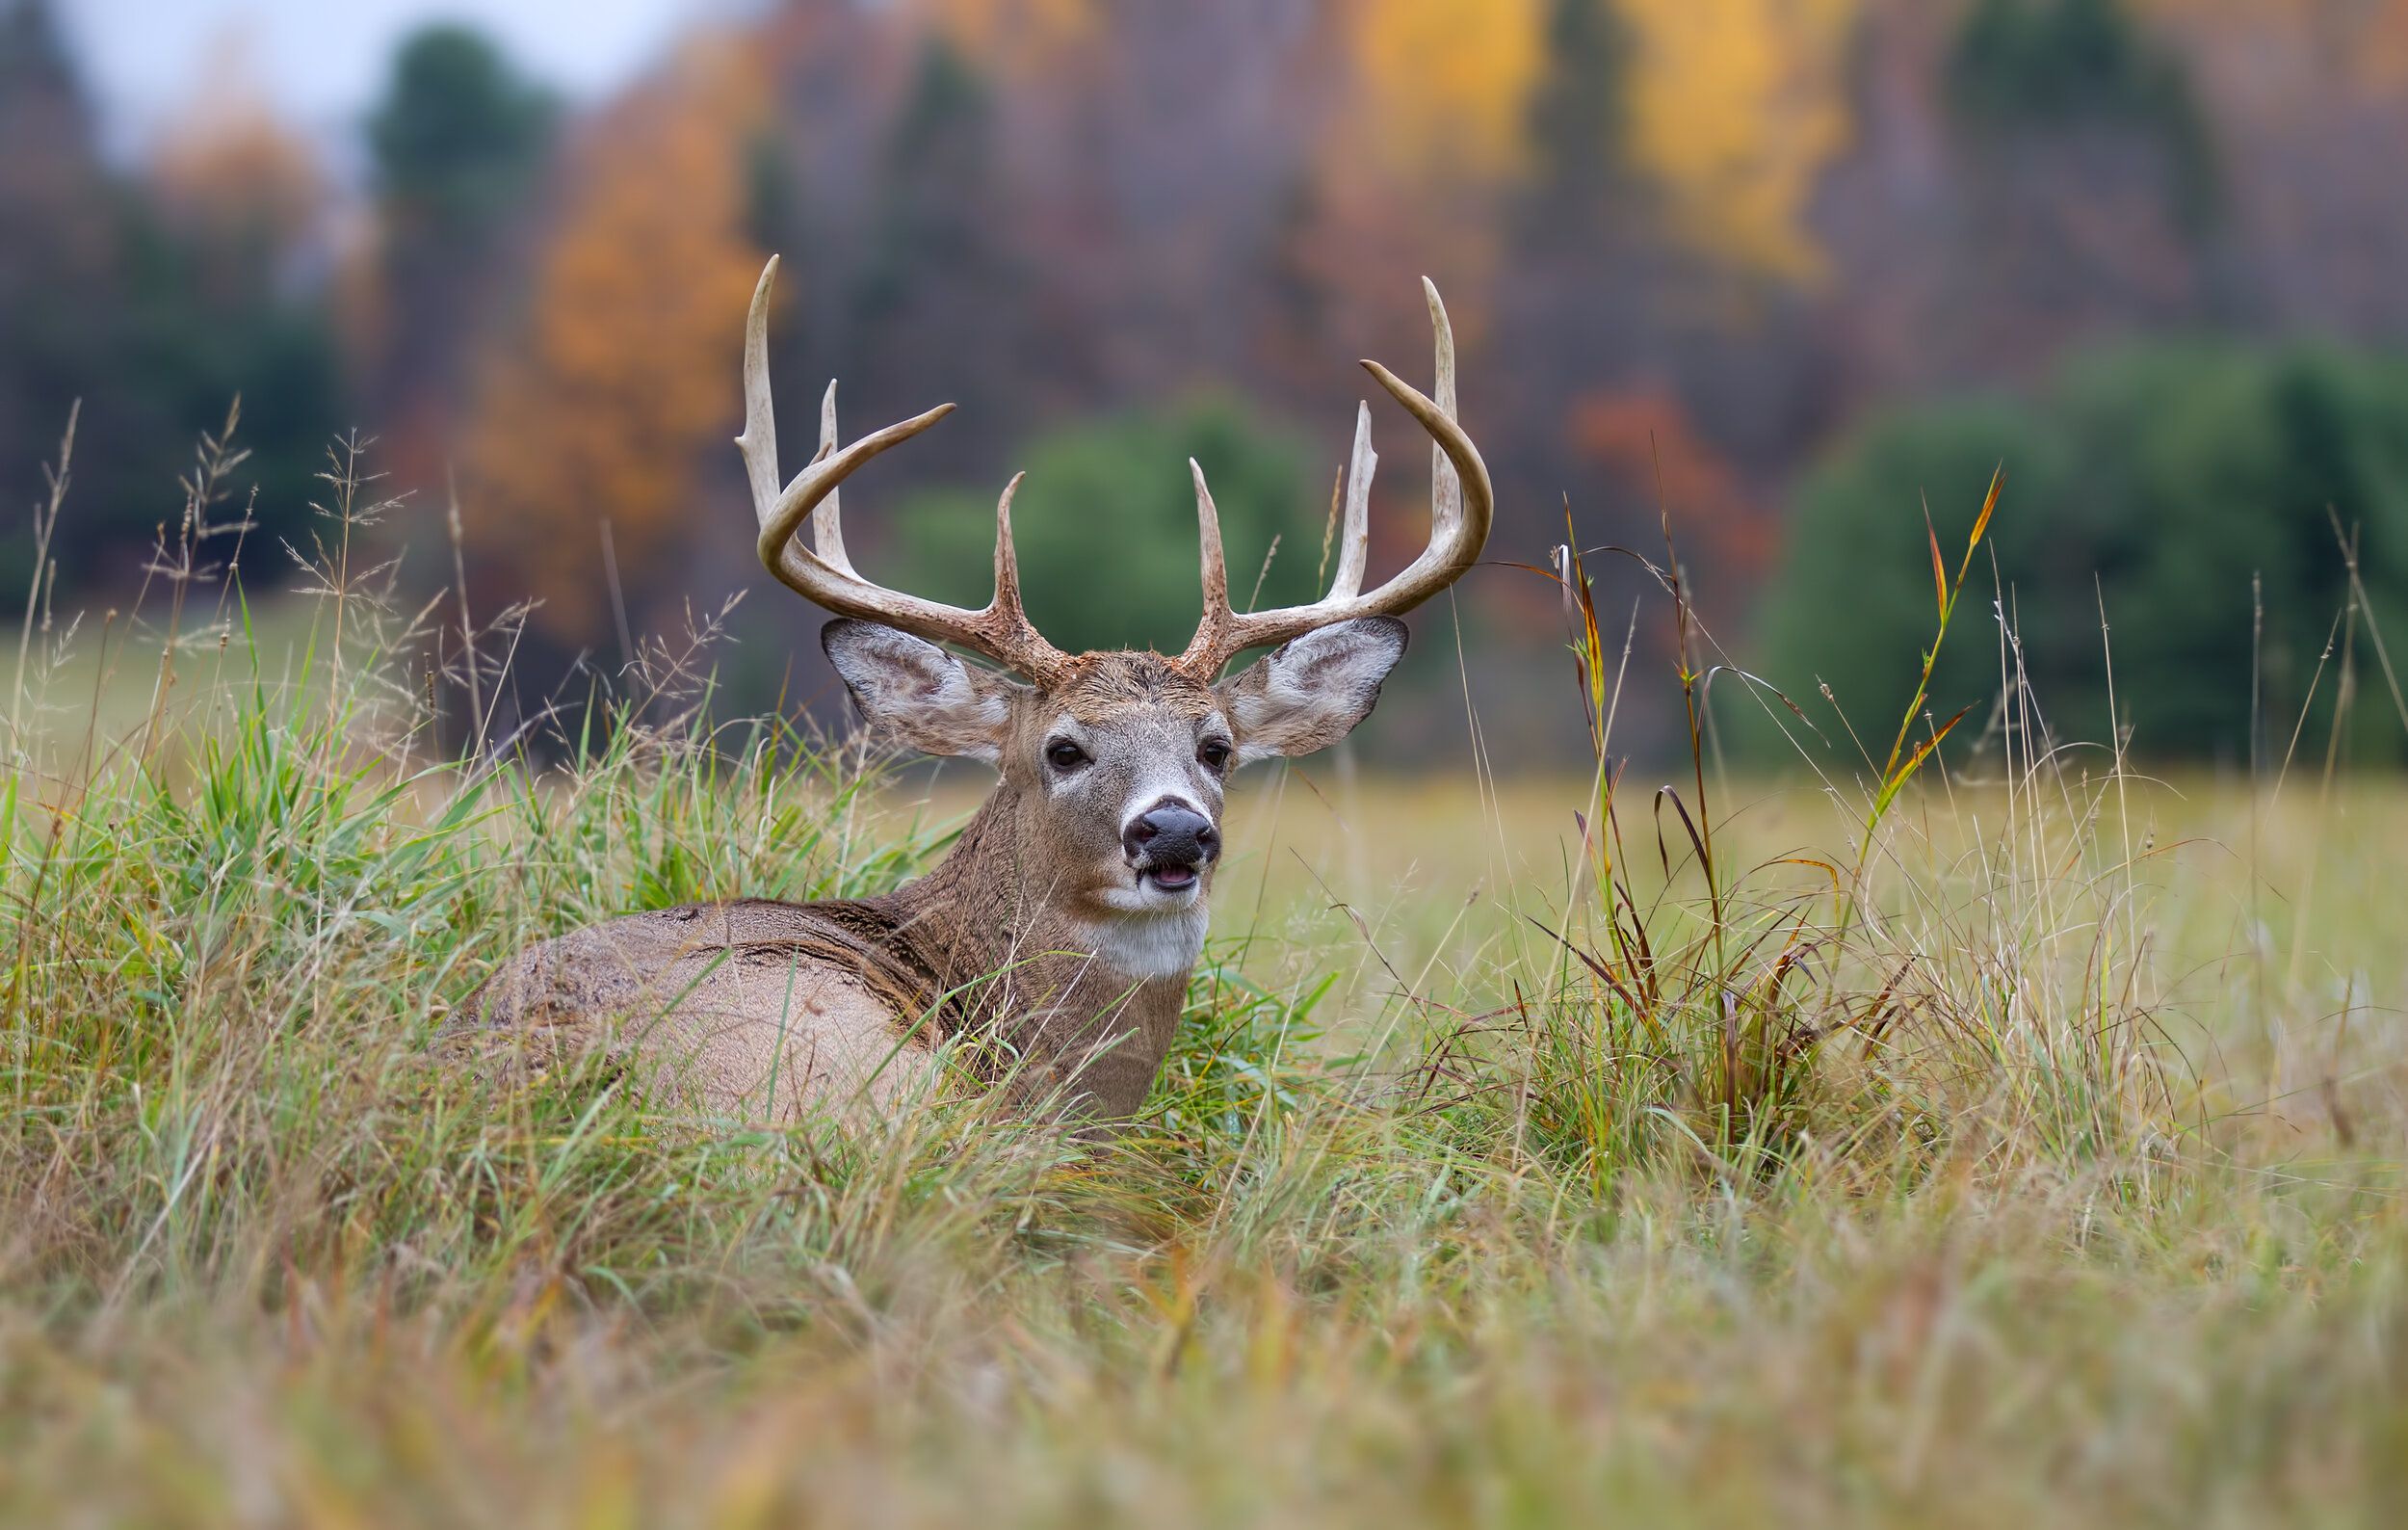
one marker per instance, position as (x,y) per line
(1170,879)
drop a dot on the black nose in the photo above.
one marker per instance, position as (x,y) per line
(1171,835)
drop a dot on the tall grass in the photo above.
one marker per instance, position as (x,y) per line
(1889,1179)
(1877,1004)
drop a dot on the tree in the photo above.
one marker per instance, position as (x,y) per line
(2026,177)
(59,208)
(156,304)
(244,193)
(937,277)
(459,142)
(2050,66)
(597,409)
(1583,285)
(459,136)
(217,286)
(1578,127)
(44,118)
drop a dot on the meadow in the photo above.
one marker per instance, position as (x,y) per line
(1993,1135)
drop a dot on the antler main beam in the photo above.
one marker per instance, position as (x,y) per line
(1462,505)
(824,573)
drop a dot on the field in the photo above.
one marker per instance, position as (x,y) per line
(2022,1148)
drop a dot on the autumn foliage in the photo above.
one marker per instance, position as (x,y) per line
(597,413)
(1690,248)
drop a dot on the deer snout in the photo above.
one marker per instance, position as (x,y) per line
(1171,836)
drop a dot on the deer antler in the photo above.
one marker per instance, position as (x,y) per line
(825,573)
(1461,506)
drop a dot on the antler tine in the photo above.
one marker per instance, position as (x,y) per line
(1020,644)
(1354,543)
(1445,486)
(828,527)
(759,442)
(1006,556)
(1001,630)
(1213,627)
(1462,506)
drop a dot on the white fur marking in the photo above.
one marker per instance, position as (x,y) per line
(1155,944)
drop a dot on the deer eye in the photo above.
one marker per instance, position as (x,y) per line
(1065,756)
(1214,754)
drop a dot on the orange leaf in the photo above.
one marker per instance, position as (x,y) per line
(1982,523)
(1939,572)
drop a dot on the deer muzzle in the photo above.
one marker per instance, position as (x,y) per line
(1171,843)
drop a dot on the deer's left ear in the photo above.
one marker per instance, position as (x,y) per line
(1309,692)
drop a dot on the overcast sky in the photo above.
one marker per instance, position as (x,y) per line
(323,60)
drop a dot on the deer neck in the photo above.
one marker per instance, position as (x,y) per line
(1088,997)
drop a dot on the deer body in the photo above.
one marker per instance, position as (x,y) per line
(1055,942)
(763,1009)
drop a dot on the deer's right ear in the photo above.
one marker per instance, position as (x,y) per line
(917,692)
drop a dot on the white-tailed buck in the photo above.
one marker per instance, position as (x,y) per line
(1058,935)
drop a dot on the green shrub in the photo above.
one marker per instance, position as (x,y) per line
(2179,486)
(1106,526)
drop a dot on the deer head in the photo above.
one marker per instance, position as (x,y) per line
(1112,763)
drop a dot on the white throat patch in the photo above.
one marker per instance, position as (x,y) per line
(1150,943)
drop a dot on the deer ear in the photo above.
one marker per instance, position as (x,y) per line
(918,694)
(1309,692)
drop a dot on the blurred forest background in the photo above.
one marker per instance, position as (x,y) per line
(1790,270)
